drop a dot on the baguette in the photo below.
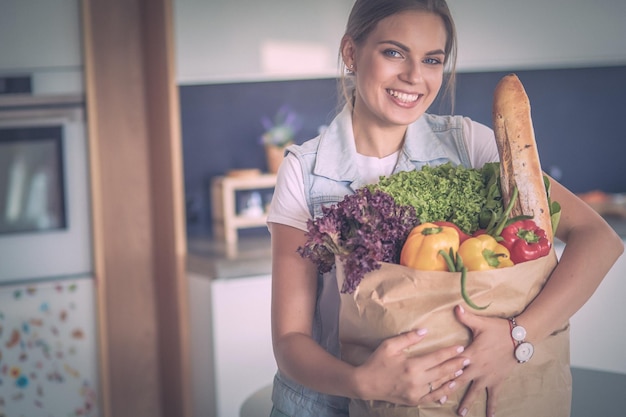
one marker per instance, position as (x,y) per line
(519,159)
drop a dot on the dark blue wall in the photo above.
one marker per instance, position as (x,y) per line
(577,115)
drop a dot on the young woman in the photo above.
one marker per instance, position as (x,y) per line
(395,53)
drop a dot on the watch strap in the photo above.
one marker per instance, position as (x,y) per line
(522,350)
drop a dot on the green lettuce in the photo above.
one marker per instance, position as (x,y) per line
(467,197)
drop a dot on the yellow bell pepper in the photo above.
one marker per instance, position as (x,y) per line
(422,246)
(483,252)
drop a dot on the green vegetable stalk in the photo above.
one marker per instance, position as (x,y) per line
(455,264)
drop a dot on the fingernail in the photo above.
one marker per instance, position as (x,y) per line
(459,372)
(422,332)
(443,400)
(460,349)
(466,362)
(452,384)
(462,310)
(464,411)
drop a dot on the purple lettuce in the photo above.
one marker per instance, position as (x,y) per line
(363,230)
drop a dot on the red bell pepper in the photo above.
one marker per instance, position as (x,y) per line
(525,241)
(462,235)
(479,232)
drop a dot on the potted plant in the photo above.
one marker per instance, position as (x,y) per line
(279,133)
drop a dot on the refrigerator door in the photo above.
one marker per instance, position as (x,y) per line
(48,350)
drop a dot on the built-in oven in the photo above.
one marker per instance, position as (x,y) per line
(44,191)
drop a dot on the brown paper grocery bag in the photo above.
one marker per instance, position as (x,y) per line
(397,299)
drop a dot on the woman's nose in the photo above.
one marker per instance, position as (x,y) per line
(412,73)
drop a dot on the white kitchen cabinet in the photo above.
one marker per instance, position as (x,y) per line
(597,338)
(43,39)
(231,342)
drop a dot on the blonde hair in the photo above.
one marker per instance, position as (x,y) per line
(366,14)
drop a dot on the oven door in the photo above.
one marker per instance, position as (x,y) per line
(44,199)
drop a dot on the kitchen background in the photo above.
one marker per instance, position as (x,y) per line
(575,112)
(238,61)
(569,55)
(574,75)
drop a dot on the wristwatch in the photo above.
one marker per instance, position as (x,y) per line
(523,350)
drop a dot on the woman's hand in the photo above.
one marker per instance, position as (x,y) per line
(391,374)
(491,354)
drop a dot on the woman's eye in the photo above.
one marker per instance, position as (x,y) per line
(392,53)
(432,61)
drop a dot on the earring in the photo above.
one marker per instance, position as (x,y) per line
(350,69)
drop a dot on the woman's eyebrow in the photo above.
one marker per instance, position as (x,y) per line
(397,44)
(436,52)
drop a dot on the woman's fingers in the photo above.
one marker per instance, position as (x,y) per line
(472,321)
(439,369)
(492,395)
(408,379)
(439,393)
(472,394)
(444,376)
(468,399)
(405,340)
(492,360)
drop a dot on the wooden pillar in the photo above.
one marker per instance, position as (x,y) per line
(137,206)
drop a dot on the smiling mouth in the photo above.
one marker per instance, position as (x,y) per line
(403,97)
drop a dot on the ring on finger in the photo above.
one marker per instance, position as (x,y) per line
(430,387)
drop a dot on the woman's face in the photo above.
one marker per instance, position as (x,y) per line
(398,68)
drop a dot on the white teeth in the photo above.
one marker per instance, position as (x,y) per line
(407,98)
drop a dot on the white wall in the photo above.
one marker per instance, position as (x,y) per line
(529,34)
(43,38)
(240,40)
(225,40)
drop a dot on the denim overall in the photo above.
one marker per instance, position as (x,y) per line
(329,173)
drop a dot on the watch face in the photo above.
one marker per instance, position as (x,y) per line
(518,333)
(524,351)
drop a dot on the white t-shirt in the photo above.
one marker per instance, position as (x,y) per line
(289,205)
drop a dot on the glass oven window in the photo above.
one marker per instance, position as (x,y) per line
(32,198)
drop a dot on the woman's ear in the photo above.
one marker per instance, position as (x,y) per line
(348,52)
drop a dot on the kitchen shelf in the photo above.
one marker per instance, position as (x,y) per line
(226,220)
